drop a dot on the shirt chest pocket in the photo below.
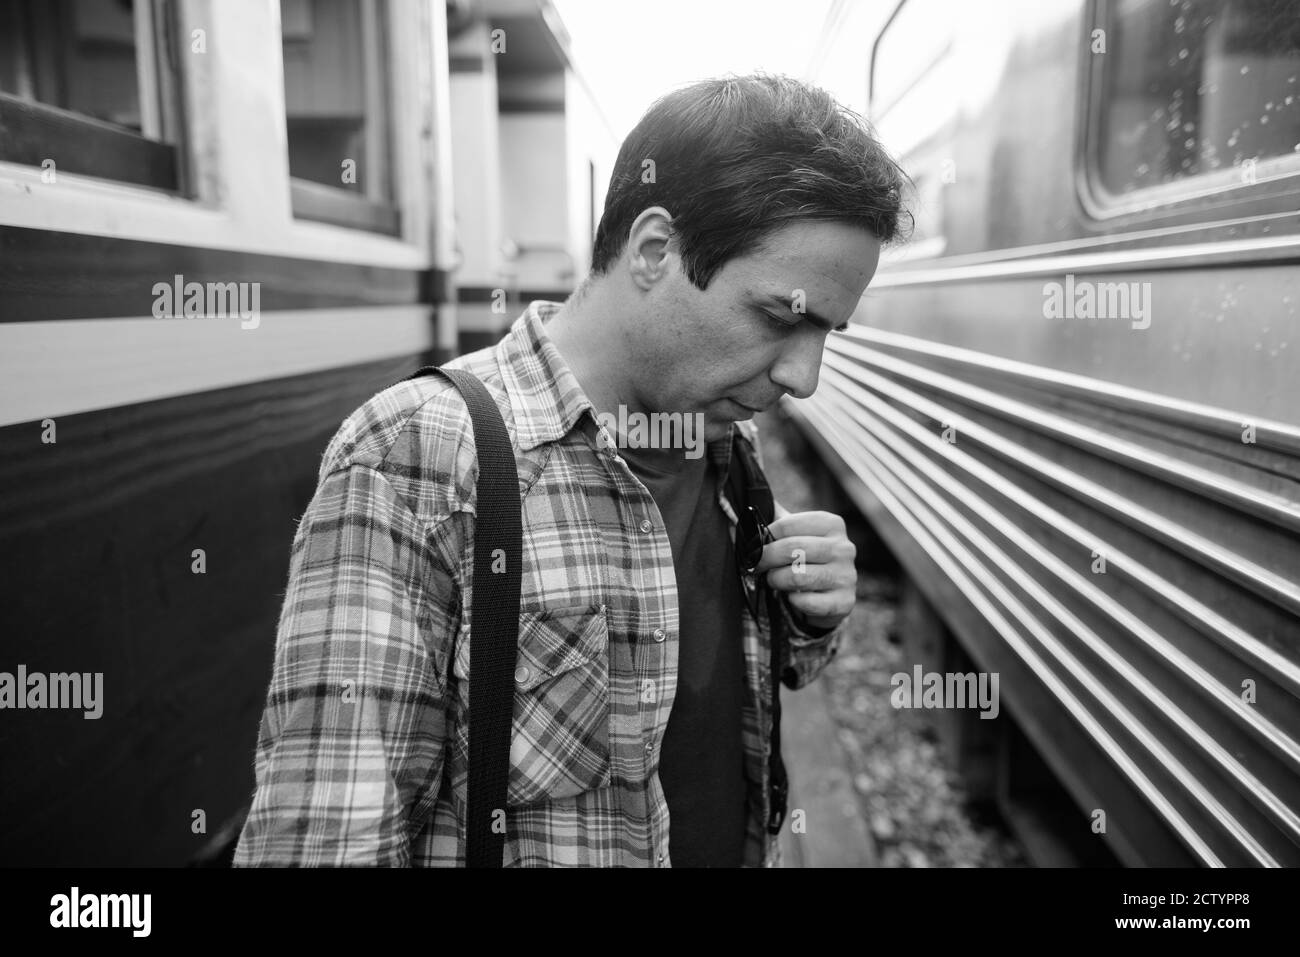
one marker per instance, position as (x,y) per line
(559,735)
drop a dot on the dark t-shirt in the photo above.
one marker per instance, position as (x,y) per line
(701,766)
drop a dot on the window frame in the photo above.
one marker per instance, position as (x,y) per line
(318,202)
(32,132)
(1221,192)
(876,110)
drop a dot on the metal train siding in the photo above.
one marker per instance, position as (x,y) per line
(1101,504)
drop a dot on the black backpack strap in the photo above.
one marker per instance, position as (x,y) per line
(494,620)
(747,485)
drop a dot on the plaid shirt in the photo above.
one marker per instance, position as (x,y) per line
(362,750)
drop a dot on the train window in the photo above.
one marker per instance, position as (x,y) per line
(910,47)
(336,103)
(85,87)
(915,68)
(1203,90)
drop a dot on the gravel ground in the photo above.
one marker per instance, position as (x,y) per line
(913,803)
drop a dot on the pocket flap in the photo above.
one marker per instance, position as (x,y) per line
(554,641)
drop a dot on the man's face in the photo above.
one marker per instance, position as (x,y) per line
(739,346)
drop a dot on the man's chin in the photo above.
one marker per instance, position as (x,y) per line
(717,428)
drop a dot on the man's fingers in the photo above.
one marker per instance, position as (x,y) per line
(807,523)
(806,550)
(821,604)
(811,578)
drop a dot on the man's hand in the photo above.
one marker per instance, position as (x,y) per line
(812,561)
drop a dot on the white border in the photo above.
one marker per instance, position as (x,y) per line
(49,369)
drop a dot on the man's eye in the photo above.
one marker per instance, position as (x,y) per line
(782,323)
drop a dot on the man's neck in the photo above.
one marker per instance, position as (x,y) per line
(587,333)
(593,334)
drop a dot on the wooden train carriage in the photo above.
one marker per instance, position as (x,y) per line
(273,175)
(1072,406)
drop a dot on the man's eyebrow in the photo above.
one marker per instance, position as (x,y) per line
(788,302)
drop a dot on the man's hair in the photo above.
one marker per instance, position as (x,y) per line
(736,158)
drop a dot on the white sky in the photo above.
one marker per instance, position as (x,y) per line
(633,51)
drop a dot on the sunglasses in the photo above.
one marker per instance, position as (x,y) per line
(752,534)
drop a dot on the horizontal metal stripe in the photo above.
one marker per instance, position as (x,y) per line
(910,485)
(51,369)
(891,449)
(1278,250)
(1230,492)
(49,275)
(507,294)
(518,105)
(1136,834)
(1116,709)
(1258,579)
(1195,613)
(1221,422)
(880,412)
(956,562)
(1128,239)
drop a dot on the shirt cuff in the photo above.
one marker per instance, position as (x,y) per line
(799,632)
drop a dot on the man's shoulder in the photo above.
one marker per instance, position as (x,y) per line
(419,434)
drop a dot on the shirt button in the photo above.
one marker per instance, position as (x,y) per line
(649,747)
(660,634)
(645,525)
(522,673)
(662,855)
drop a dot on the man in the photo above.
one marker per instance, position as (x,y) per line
(744,220)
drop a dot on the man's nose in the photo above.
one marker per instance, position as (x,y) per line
(800,363)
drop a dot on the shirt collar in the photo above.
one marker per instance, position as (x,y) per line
(545,397)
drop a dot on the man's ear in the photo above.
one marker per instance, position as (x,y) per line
(648,246)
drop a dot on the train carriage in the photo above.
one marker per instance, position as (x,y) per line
(1072,406)
(224,225)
